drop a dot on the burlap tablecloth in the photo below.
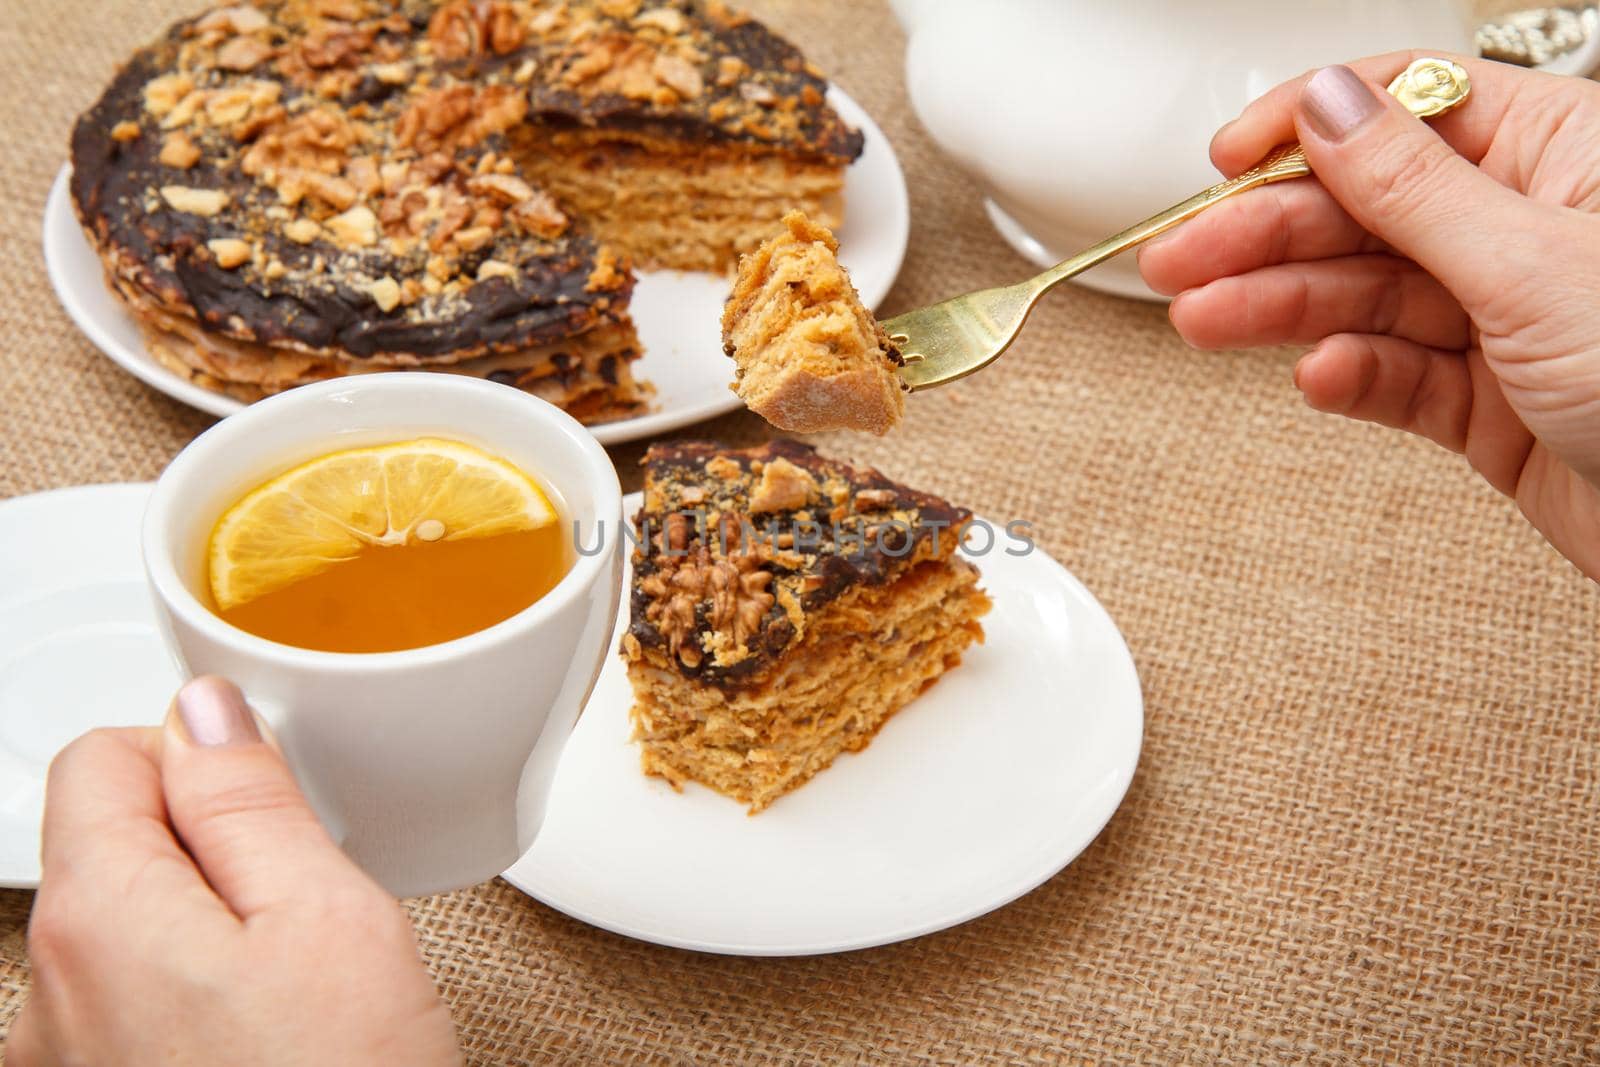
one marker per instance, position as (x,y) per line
(1365,822)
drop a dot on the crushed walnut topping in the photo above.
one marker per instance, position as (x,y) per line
(459,116)
(494,268)
(302,231)
(875,499)
(163,94)
(724,468)
(243,53)
(229,252)
(678,75)
(757,93)
(385,292)
(241,19)
(205,202)
(355,228)
(179,151)
(669,20)
(783,487)
(609,271)
(729,70)
(462,29)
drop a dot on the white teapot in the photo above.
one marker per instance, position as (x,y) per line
(1079,117)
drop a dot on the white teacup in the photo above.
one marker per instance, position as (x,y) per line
(431,765)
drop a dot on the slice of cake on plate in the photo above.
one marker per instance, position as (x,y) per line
(784,606)
(809,357)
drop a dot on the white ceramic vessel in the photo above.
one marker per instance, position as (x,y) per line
(432,765)
(1080,117)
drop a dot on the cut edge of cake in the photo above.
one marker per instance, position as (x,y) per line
(745,135)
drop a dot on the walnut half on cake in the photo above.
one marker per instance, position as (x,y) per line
(809,356)
(783,607)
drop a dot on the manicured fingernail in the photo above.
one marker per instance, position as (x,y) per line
(214,713)
(1336,101)
(1172,317)
(1154,243)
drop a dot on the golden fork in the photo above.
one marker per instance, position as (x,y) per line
(951,339)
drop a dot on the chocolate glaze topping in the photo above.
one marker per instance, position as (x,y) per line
(860,529)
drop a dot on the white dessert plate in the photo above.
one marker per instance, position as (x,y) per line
(79,644)
(989,783)
(678,313)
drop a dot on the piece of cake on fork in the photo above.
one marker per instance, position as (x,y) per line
(784,606)
(809,356)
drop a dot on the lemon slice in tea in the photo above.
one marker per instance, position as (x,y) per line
(327,510)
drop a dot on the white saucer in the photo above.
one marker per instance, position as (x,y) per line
(79,647)
(1118,276)
(991,782)
(678,314)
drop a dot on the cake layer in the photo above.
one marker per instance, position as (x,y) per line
(756,779)
(671,208)
(589,376)
(864,659)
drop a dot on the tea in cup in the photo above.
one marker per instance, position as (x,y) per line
(386,548)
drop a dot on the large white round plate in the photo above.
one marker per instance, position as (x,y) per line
(988,784)
(678,314)
(79,645)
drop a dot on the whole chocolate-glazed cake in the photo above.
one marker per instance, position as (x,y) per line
(293,190)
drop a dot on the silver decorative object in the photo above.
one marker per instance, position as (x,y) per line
(1563,39)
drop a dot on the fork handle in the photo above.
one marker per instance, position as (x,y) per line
(1427,87)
